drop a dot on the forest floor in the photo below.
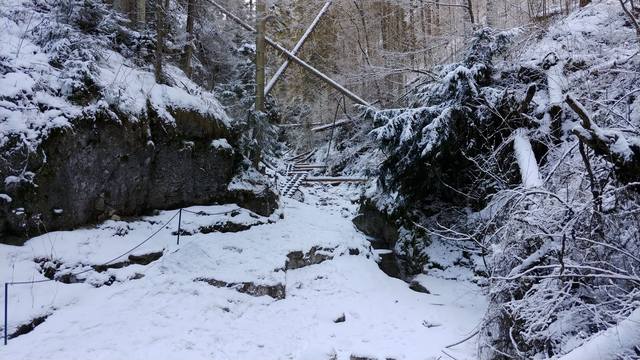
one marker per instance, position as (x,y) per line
(199,300)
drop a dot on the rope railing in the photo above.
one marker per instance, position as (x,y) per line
(204,213)
(106,263)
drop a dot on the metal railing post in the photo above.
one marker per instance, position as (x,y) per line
(6,312)
(179,225)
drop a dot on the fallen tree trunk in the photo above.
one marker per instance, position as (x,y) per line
(332,125)
(296,48)
(355,98)
(297,125)
(526,159)
(557,86)
(297,157)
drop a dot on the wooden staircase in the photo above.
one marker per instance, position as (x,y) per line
(298,173)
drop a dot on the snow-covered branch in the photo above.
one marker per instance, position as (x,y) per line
(611,343)
(613,145)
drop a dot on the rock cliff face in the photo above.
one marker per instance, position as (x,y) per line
(376,224)
(107,165)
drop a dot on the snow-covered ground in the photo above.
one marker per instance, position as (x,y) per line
(30,83)
(341,308)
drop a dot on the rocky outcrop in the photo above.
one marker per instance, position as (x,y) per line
(28,327)
(417,287)
(109,165)
(54,269)
(232,223)
(374,223)
(315,255)
(276,291)
(144,259)
(384,233)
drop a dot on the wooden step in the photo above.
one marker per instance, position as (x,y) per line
(331,179)
(298,166)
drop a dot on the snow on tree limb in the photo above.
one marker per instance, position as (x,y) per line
(526,160)
(610,343)
(613,145)
(579,109)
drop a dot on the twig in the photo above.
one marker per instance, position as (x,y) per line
(463,340)
(23,35)
(449,355)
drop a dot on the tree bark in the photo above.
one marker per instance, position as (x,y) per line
(188,48)
(470,11)
(141,11)
(260,53)
(161,11)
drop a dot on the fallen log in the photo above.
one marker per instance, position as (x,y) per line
(355,98)
(287,126)
(296,125)
(303,159)
(332,125)
(300,156)
(296,48)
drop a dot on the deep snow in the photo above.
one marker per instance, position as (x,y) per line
(168,315)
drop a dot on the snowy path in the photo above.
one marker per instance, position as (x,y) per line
(168,315)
